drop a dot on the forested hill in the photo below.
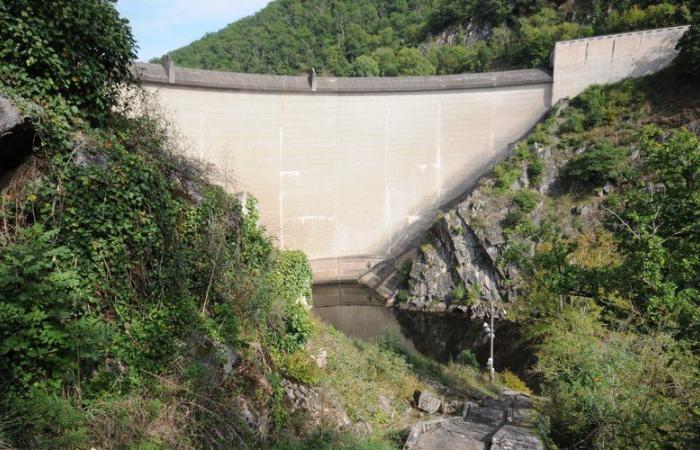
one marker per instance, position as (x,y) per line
(416,37)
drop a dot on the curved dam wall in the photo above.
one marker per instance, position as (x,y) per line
(350,170)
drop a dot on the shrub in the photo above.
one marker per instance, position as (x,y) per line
(512,381)
(411,62)
(402,296)
(617,390)
(535,168)
(459,292)
(598,165)
(468,358)
(506,174)
(299,366)
(296,331)
(539,135)
(47,335)
(592,103)
(526,200)
(574,122)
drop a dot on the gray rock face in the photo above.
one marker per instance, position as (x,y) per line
(489,426)
(16,137)
(10,118)
(425,401)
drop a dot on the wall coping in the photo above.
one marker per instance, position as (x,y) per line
(169,74)
(617,35)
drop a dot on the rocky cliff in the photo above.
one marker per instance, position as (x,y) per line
(474,252)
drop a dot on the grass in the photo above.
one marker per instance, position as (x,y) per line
(365,375)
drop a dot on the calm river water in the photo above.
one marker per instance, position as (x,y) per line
(355,311)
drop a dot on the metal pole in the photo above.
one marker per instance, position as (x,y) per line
(493,334)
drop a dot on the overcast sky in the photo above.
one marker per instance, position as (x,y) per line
(164,25)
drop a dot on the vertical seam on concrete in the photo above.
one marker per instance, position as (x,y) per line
(612,54)
(202,114)
(387,201)
(438,149)
(336,221)
(281,194)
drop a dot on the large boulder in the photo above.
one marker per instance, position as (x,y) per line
(425,401)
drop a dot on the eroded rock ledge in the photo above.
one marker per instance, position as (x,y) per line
(501,423)
(464,264)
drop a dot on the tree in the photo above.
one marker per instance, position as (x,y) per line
(412,63)
(688,60)
(365,66)
(78,49)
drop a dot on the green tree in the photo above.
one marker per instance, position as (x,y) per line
(688,59)
(658,226)
(411,62)
(365,66)
(79,49)
(387,61)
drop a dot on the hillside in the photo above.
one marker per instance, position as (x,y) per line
(589,237)
(141,305)
(415,37)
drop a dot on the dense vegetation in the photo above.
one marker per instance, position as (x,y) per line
(612,294)
(416,37)
(141,306)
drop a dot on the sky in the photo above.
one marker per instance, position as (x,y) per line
(164,25)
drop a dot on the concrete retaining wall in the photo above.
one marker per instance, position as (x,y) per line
(351,169)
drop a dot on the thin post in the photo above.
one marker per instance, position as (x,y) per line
(492,334)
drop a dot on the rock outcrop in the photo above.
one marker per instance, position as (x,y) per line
(16,135)
(501,423)
(465,263)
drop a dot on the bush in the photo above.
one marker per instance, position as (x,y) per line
(402,296)
(617,390)
(411,62)
(574,122)
(535,168)
(47,335)
(592,103)
(526,200)
(459,292)
(299,366)
(598,165)
(512,381)
(468,358)
(506,174)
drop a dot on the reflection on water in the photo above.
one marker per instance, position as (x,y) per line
(358,313)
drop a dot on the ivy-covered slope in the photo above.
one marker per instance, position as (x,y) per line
(415,37)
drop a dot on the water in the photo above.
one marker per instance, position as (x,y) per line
(359,313)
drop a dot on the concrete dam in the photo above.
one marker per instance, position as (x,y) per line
(351,170)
